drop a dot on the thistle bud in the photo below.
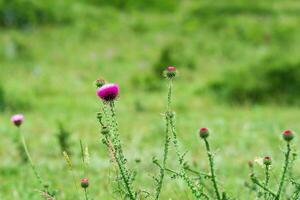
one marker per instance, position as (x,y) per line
(170,72)
(84,183)
(288,135)
(267,160)
(99,82)
(203,133)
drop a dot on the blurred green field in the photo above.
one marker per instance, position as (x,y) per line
(48,66)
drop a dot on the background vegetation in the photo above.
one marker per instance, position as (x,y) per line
(239,75)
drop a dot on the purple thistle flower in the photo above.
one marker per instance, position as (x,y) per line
(108,92)
(17,119)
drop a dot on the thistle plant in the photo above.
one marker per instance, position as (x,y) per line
(170,73)
(267,163)
(108,94)
(204,133)
(195,180)
(270,194)
(171,135)
(18,121)
(288,137)
(85,185)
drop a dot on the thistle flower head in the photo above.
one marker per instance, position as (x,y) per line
(203,133)
(267,160)
(170,72)
(84,183)
(99,82)
(288,135)
(108,92)
(17,119)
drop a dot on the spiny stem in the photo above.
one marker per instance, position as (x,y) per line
(267,178)
(192,187)
(169,95)
(37,175)
(256,182)
(285,167)
(171,116)
(165,156)
(118,154)
(212,170)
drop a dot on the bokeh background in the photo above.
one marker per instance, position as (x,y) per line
(239,75)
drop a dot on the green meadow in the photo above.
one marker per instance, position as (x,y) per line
(52,52)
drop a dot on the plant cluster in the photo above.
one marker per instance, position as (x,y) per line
(202,185)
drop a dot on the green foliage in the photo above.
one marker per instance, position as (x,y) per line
(63,138)
(21,13)
(166,5)
(15,48)
(272,80)
(173,54)
(2,99)
(56,61)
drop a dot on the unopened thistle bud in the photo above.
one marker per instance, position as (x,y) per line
(267,160)
(203,133)
(288,135)
(99,82)
(84,183)
(170,72)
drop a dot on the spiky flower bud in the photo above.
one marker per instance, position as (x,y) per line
(99,82)
(84,183)
(288,135)
(170,72)
(267,160)
(203,133)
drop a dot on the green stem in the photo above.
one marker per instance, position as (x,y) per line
(169,95)
(212,170)
(165,156)
(188,181)
(37,175)
(256,182)
(285,167)
(183,174)
(86,194)
(267,178)
(119,156)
